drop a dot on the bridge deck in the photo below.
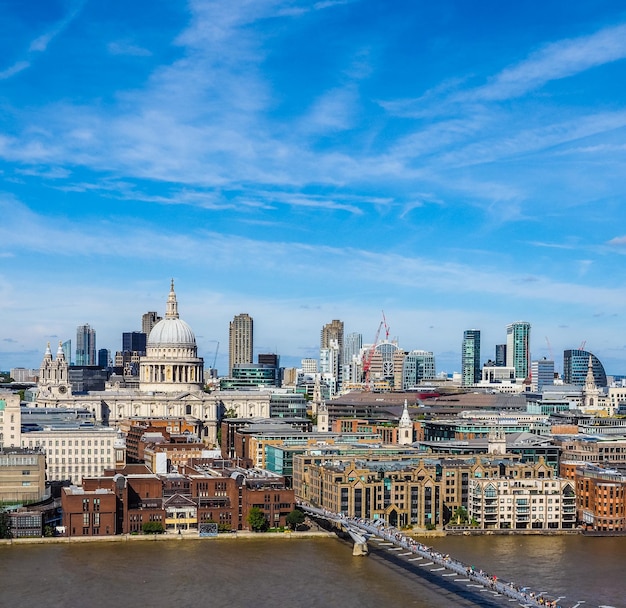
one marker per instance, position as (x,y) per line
(416,552)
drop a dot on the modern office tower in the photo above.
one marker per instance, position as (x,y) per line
(500,355)
(104,357)
(331,350)
(269,359)
(250,375)
(148,321)
(470,357)
(240,341)
(330,365)
(85,345)
(418,365)
(66,347)
(352,347)
(576,365)
(518,348)
(134,341)
(542,373)
(351,367)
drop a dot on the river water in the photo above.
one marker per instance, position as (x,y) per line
(314,573)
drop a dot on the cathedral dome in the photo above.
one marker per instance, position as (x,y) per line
(171,332)
(171,363)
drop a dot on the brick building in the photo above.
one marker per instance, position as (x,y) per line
(203,491)
(600,496)
(88,512)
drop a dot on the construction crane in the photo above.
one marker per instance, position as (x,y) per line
(549,349)
(367,360)
(582,345)
(386,327)
(215,357)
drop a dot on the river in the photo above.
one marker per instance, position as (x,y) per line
(305,573)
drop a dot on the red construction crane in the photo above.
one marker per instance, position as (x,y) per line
(386,327)
(367,359)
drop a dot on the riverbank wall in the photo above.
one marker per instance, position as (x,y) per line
(168,537)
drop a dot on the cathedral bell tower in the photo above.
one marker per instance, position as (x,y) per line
(54,376)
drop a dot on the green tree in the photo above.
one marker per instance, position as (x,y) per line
(459,516)
(5,525)
(256,520)
(152,527)
(295,518)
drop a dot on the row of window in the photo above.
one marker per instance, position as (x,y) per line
(55,442)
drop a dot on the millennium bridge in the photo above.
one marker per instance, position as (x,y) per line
(362,530)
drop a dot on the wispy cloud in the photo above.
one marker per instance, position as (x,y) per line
(552,245)
(146,242)
(334,111)
(555,61)
(40,44)
(16,68)
(127,47)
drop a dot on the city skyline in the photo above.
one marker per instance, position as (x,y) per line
(456,166)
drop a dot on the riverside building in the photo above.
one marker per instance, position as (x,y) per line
(424,491)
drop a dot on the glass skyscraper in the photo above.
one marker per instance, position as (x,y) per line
(518,348)
(576,364)
(85,345)
(470,357)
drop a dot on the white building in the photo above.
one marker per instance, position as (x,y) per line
(522,504)
(71,452)
(78,452)
(309,366)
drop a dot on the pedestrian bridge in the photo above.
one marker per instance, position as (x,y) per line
(362,530)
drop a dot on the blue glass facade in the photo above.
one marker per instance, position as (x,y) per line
(576,364)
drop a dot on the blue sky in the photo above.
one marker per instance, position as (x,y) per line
(456,164)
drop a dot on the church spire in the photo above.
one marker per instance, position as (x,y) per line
(405,426)
(60,353)
(405,418)
(590,381)
(171,311)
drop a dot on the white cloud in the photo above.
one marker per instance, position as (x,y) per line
(126,47)
(555,61)
(16,68)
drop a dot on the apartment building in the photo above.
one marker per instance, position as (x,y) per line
(535,503)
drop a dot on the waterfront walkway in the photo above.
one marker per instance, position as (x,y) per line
(394,540)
